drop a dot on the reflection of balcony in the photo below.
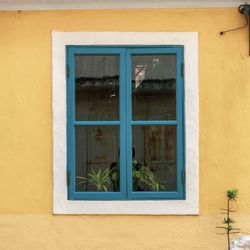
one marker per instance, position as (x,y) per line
(147,86)
(90,83)
(155,86)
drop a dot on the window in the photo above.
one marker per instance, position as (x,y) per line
(121,118)
(125,123)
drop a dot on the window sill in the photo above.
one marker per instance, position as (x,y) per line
(128,207)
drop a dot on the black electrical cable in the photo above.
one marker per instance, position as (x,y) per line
(245,10)
(240,27)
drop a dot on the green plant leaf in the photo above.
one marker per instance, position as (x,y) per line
(232,194)
(100,179)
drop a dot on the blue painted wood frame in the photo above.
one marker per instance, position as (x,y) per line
(178,123)
(125,122)
(72,51)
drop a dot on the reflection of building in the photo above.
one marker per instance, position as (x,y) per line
(110,82)
(161,143)
(101,146)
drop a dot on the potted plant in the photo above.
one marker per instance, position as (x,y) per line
(100,179)
(144,178)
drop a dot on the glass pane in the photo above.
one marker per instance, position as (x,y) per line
(97,87)
(154,158)
(96,158)
(154,87)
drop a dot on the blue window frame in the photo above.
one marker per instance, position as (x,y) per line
(145,81)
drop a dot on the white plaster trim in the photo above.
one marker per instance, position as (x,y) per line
(181,207)
(114,4)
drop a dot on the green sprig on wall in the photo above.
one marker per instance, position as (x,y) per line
(232,195)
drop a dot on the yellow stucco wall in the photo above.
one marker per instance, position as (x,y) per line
(26,132)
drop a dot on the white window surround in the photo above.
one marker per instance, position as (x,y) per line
(61,205)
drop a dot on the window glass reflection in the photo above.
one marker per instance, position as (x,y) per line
(96,158)
(97,87)
(154,87)
(154,158)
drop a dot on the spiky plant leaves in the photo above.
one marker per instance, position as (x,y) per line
(232,194)
(99,179)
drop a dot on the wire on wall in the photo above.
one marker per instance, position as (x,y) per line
(240,27)
(245,10)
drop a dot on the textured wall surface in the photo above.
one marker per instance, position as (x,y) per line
(26,132)
(41,232)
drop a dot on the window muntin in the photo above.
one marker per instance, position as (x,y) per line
(125,124)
